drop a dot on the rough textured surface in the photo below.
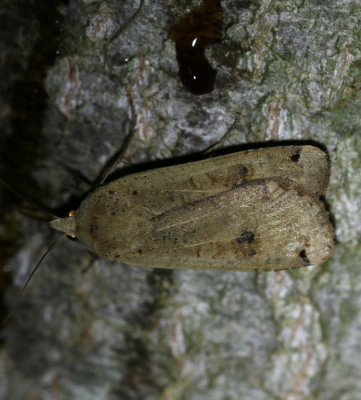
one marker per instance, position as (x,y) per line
(76,79)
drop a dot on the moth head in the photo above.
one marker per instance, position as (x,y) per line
(66,225)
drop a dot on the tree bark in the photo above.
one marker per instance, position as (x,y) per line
(78,77)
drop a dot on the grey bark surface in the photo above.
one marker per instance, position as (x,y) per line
(287,71)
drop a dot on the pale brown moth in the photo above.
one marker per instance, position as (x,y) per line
(252,210)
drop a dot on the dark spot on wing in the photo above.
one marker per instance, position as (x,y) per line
(243,171)
(244,244)
(296,156)
(247,236)
(304,257)
(93,228)
(242,176)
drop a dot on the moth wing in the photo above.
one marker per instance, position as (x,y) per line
(305,167)
(260,225)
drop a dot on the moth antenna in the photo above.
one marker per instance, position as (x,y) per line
(29,279)
(36,206)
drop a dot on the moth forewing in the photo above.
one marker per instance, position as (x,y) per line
(303,166)
(258,225)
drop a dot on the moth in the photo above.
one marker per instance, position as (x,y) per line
(255,210)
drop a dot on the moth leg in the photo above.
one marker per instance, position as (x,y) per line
(89,264)
(117,33)
(125,26)
(219,144)
(120,158)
